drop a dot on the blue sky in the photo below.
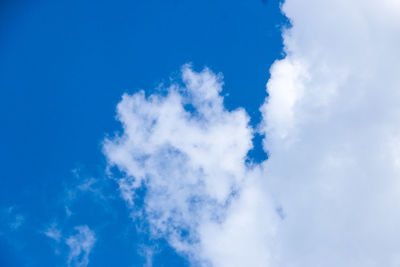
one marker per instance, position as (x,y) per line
(63,68)
(200,133)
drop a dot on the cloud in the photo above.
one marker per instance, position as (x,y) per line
(12,218)
(80,246)
(53,232)
(189,152)
(331,125)
(85,187)
(329,193)
(19,219)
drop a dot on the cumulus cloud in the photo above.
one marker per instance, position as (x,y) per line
(189,152)
(80,246)
(331,125)
(329,193)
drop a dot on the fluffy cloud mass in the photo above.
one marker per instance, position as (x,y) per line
(329,193)
(189,152)
(332,131)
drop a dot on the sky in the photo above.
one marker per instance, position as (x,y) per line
(200,133)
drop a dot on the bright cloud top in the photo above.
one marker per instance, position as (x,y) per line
(332,130)
(332,133)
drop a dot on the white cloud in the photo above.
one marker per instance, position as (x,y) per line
(147,252)
(80,246)
(53,232)
(333,137)
(332,132)
(193,165)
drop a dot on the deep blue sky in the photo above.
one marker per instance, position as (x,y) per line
(63,68)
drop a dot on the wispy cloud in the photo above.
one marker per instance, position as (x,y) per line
(17,221)
(53,232)
(82,185)
(80,245)
(12,218)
